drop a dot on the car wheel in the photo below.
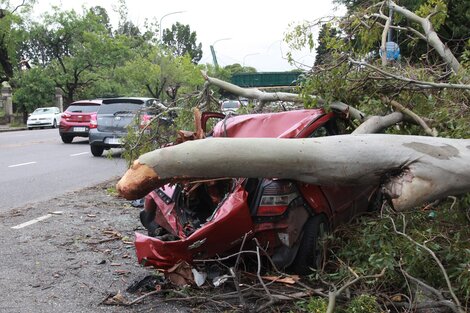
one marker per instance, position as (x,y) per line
(311,251)
(96,150)
(66,139)
(30,128)
(54,124)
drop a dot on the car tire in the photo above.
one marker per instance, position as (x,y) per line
(54,124)
(66,139)
(30,128)
(96,150)
(311,251)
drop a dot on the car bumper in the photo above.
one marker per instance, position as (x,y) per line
(105,139)
(74,130)
(39,124)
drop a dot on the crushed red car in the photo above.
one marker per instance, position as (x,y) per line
(203,219)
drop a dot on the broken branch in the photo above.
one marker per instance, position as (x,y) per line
(414,116)
(438,262)
(419,83)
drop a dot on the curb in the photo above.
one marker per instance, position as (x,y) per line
(11,129)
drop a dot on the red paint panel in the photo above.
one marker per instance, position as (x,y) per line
(267,125)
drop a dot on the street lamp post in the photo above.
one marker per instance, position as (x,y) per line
(161,19)
(272,44)
(250,54)
(214,57)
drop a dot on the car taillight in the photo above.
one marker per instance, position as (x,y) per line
(93,121)
(145,120)
(276,197)
(65,116)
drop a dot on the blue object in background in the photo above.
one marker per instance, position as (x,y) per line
(392,50)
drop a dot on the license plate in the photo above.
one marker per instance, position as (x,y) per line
(113,141)
(79,129)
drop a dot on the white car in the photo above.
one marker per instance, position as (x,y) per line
(44,117)
(232,106)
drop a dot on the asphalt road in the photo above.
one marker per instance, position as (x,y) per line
(35,165)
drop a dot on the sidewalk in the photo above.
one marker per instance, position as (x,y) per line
(8,128)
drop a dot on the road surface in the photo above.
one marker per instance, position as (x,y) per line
(35,165)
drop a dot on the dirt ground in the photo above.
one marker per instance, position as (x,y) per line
(74,260)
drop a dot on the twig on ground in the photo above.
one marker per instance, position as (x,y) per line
(137,300)
(258,273)
(332,295)
(436,259)
(235,274)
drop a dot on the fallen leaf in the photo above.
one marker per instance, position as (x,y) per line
(180,274)
(116,299)
(397,298)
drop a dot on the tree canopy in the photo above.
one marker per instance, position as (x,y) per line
(81,54)
(180,40)
(11,35)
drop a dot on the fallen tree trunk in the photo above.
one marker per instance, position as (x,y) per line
(412,169)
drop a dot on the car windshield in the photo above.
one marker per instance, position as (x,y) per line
(83,108)
(231,104)
(43,111)
(120,107)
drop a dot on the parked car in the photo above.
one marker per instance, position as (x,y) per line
(110,125)
(232,106)
(288,218)
(75,121)
(44,117)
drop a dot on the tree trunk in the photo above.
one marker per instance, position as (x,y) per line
(411,169)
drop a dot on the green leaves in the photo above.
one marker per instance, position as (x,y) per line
(436,10)
(371,245)
(181,41)
(35,89)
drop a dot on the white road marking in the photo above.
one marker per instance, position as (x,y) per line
(21,164)
(37,219)
(81,153)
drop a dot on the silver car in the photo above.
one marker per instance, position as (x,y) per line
(112,121)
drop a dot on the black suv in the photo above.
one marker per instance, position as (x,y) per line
(112,121)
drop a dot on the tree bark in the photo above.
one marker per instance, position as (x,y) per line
(411,169)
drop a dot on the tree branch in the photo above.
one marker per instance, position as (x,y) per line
(414,116)
(332,295)
(436,259)
(254,93)
(431,35)
(409,80)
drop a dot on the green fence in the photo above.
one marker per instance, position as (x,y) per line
(265,79)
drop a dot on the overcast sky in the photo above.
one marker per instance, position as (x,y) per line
(255,28)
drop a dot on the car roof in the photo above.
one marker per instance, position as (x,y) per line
(87,102)
(286,124)
(127,99)
(42,108)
